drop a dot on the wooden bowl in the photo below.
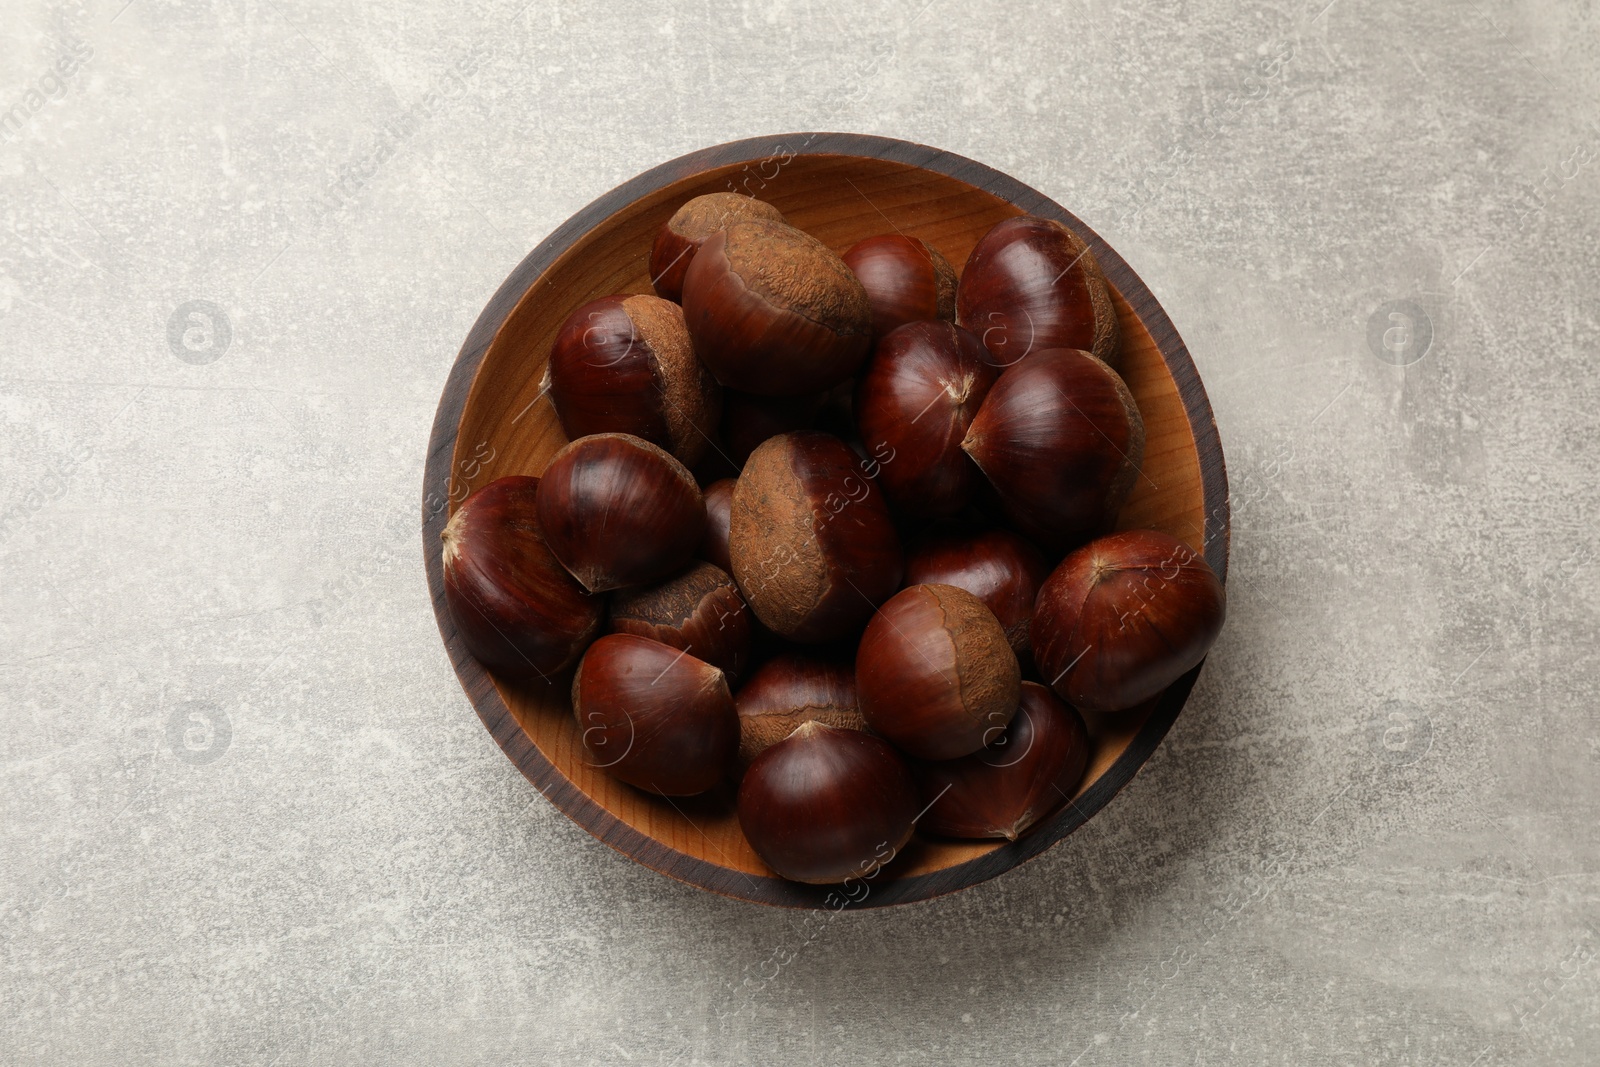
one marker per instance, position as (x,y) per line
(840,188)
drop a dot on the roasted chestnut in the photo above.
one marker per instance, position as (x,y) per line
(813,547)
(1027,772)
(517,609)
(1061,440)
(1031,284)
(995,565)
(719,505)
(906,280)
(624,364)
(1124,617)
(616,511)
(699,611)
(914,402)
(825,805)
(654,716)
(792,688)
(682,234)
(934,673)
(774,311)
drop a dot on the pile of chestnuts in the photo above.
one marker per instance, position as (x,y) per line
(840,530)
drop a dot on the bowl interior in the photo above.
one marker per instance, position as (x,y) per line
(507,428)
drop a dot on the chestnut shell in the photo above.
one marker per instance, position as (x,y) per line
(935,674)
(1124,617)
(654,716)
(794,688)
(773,311)
(518,610)
(1061,440)
(719,506)
(1008,786)
(915,400)
(997,566)
(699,611)
(906,279)
(825,805)
(625,364)
(616,510)
(683,234)
(1031,284)
(813,547)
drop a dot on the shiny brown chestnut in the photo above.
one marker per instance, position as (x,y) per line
(825,805)
(625,364)
(748,420)
(517,609)
(915,400)
(1031,284)
(699,611)
(794,688)
(1061,440)
(683,234)
(1124,617)
(719,505)
(813,547)
(934,673)
(617,511)
(1009,785)
(654,716)
(998,567)
(906,279)
(773,311)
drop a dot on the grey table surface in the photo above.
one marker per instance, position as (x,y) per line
(249,816)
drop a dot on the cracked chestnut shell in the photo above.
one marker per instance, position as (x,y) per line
(813,547)
(998,567)
(906,279)
(773,311)
(935,674)
(1031,284)
(1124,617)
(518,610)
(794,688)
(654,716)
(683,234)
(915,400)
(625,364)
(618,511)
(699,611)
(824,805)
(1009,785)
(1061,440)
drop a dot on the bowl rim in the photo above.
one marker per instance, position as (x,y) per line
(600,822)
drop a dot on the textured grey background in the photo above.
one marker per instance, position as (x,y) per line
(248,815)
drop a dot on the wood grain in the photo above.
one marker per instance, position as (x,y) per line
(493,422)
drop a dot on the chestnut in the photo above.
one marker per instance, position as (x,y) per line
(1124,617)
(774,311)
(906,280)
(616,510)
(1007,786)
(813,547)
(790,689)
(934,673)
(625,364)
(1032,283)
(915,400)
(517,609)
(654,716)
(682,234)
(719,503)
(1061,440)
(824,804)
(994,565)
(699,611)
(748,420)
